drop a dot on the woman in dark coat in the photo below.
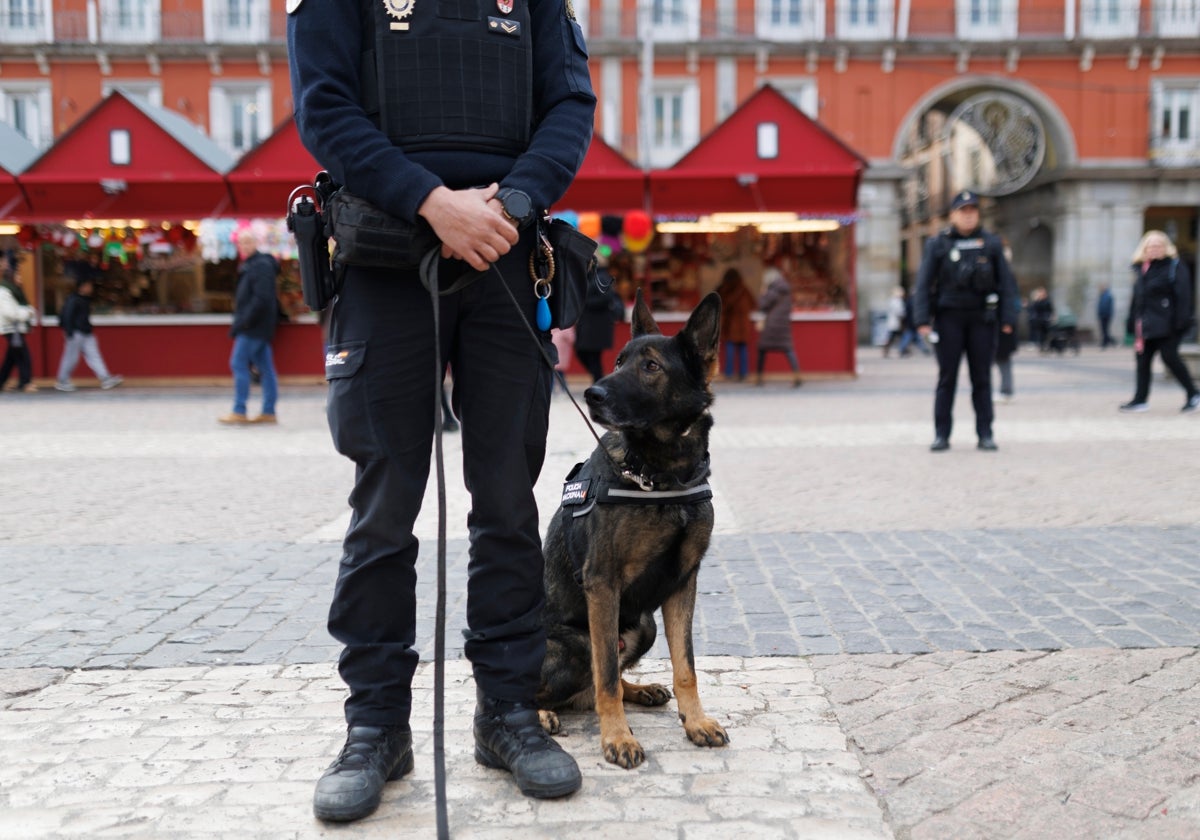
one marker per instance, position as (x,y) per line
(1161,312)
(776,335)
(736,305)
(602,308)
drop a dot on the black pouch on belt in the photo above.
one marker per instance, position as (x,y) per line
(573,267)
(368,237)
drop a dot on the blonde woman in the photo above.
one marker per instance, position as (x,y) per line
(1161,312)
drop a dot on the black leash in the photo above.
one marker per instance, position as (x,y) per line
(429,276)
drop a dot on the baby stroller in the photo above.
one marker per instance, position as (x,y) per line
(1060,335)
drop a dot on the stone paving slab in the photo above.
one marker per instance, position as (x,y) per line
(233,751)
(1026,745)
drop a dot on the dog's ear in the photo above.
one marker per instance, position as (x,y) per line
(643,321)
(704,328)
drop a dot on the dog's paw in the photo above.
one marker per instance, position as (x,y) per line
(625,753)
(646,695)
(706,733)
(549,721)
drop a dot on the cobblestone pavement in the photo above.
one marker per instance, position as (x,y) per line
(902,644)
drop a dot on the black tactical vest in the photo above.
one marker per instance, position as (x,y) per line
(451,74)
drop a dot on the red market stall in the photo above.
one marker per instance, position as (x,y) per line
(606,182)
(117,198)
(771,178)
(262,180)
(16,153)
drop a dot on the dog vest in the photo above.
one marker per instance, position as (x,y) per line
(584,491)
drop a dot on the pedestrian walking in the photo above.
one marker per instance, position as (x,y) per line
(895,319)
(1040,314)
(450,102)
(966,290)
(16,316)
(1104,314)
(76,322)
(737,302)
(911,336)
(776,335)
(255,316)
(1160,313)
(602,308)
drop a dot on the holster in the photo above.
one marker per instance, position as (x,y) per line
(307,225)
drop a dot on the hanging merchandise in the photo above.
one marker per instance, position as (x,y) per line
(589,225)
(637,225)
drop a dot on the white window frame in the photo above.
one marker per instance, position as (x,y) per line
(671,20)
(790,20)
(135,89)
(1176,95)
(985,20)
(680,98)
(1109,18)
(13,94)
(33,24)
(801,91)
(854,21)
(1177,18)
(250,25)
(130,21)
(220,126)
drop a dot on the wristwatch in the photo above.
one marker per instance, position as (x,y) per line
(516,205)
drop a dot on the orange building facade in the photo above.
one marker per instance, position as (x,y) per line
(1076,117)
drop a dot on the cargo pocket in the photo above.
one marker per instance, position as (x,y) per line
(347,408)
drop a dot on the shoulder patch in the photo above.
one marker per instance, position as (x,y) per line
(293,5)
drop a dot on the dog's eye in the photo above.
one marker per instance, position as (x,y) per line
(620,360)
(651,366)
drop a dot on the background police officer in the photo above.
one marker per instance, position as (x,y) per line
(472,115)
(965,288)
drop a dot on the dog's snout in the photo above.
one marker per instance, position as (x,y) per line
(595,395)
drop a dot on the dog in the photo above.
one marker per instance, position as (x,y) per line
(635,522)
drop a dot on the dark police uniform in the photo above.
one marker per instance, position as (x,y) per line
(958,274)
(407,96)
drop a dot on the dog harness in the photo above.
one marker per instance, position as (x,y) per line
(584,491)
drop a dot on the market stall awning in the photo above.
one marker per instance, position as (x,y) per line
(16,153)
(126,159)
(262,180)
(605,183)
(766,156)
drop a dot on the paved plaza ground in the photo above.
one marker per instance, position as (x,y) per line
(901,644)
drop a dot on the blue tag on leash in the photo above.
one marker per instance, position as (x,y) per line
(543,314)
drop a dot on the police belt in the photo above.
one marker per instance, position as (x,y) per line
(584,491)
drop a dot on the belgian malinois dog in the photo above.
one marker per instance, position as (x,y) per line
(636,520)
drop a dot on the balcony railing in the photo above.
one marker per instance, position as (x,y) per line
(168,26)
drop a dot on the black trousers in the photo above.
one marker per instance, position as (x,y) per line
(16,355)
(964,331)
(380,364)
(1168,347)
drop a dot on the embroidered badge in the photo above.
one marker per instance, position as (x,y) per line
(576,492)
(504,26)
(399,9)
(505,6)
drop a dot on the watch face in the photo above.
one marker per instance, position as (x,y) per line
(517,205)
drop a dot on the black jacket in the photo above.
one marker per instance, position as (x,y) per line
(601,309)
(958,271)
(256,306)
(1163,304)
(76,315)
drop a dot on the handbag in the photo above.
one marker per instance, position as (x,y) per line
(562,266)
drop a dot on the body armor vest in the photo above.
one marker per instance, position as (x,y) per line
(446,75)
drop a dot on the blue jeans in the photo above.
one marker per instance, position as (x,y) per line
(253,351)
(738,349)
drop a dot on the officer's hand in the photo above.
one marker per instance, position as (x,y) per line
(924,330)
(1006,329)
(470,228)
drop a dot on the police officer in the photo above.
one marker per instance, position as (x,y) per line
(965,288)
(473,115)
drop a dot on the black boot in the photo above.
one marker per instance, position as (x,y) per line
(509,736)
(353,784)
